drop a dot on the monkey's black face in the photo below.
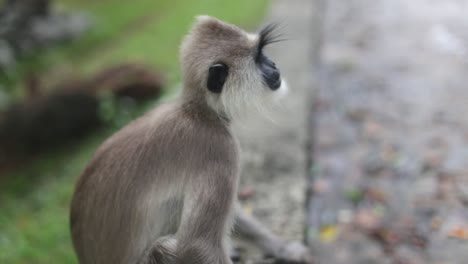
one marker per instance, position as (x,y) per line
(271,75)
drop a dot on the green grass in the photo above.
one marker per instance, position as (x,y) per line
(34,200)
(110,19)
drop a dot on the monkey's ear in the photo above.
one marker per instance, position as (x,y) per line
(217,76)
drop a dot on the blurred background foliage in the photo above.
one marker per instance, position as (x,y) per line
(35,195)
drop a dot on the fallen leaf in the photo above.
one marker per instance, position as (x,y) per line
(460,232)
(328,233)
(246,193)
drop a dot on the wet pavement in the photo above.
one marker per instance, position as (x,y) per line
(389,180)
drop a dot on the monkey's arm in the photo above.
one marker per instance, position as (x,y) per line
(206,217)
(251,229)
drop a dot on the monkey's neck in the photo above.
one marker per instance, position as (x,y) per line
(197,107)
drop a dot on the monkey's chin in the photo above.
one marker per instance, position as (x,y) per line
(282,91)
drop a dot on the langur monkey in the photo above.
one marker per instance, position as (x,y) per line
(163,189)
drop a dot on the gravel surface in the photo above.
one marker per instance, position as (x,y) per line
(390,175)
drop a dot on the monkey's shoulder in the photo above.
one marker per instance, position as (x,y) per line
(194,136)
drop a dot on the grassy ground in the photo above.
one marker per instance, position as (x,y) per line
(34,200)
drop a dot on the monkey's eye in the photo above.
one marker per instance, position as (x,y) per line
(217,76)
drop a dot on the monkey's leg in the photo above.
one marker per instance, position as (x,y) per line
(162,252)
(250,228)
(203,234)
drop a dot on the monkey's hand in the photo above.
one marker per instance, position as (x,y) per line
(294,252)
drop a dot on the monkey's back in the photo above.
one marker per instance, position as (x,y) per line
(131,192)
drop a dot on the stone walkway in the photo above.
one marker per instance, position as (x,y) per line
(390,174)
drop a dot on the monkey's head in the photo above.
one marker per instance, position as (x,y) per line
(227,68)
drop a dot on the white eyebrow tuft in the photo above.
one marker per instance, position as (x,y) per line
(252,37)
(202,18)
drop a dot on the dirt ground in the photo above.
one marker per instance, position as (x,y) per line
(390,175)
